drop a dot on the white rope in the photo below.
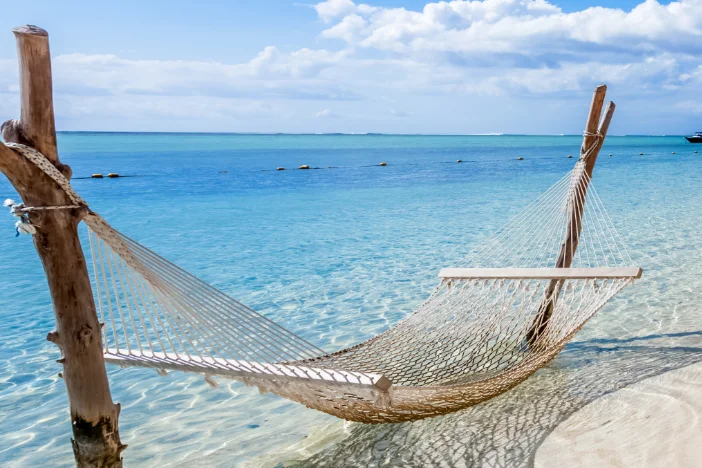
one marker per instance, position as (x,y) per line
(597,139)
(97,285)
(49,169)
(24,224)
(467,331)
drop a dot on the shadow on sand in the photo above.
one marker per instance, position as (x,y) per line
(506,431)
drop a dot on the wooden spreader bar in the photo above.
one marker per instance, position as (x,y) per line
(540,273)
(239,368)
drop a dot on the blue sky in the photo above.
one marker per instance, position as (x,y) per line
(405,66)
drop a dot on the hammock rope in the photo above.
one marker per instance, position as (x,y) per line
(473,338)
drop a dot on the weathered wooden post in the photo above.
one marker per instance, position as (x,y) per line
(592,143)
(94,416)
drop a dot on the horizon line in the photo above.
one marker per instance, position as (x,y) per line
(156,132)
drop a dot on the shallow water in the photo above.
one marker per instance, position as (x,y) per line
(337,255)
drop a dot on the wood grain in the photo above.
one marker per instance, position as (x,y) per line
(94,416)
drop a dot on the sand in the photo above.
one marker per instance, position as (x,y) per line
(654,423)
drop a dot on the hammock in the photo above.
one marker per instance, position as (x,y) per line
(492,321)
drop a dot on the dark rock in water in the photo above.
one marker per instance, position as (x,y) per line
(304,166)
(383,163)
(459,160)
(279,168)
(570,156)
(96,176)
(520,158)
(640,154)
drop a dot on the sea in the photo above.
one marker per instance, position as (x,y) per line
(337,254)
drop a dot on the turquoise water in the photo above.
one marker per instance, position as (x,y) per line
(336,254)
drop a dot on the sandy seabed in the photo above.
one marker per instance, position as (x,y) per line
(653,423)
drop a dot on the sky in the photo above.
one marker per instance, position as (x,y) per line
(386,66)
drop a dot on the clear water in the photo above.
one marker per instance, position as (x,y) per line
(336,254)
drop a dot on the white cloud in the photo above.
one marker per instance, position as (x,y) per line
(186,107)
(693,76)
(398,113)
(693,107)
(270,74)
(373,61)
(519,27)
(499,47)
(332,9)
(326,114)
(350,29)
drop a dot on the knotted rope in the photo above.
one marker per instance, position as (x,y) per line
(24,224)
(464,345)
(598,137)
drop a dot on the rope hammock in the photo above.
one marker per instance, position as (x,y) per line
(492,321)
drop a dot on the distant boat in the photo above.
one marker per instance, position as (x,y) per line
(696,138)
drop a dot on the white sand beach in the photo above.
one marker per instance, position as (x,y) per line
(654,423)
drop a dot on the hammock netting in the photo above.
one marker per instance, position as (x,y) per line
(500,315)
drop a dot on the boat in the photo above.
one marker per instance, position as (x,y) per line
(696,138)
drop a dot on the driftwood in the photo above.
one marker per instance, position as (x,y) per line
(94,416)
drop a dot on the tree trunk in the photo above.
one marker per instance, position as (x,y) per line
(94,416)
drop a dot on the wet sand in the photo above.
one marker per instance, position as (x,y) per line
(654,423)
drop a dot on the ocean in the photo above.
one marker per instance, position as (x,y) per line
(338,254)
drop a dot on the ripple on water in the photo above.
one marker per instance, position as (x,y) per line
(338,257)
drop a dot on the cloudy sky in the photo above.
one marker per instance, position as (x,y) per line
(400,66)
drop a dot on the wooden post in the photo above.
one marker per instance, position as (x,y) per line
(94,416)
(594,135)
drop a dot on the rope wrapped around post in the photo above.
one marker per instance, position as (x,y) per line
(471,340)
